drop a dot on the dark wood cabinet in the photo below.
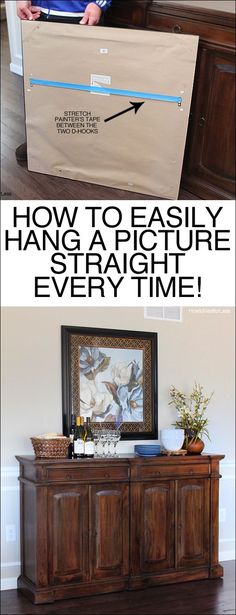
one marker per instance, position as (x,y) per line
(94,542)
(193,523)
(152,528)
(96,525)
(209,163)
(173,520)
(109,535)
(68,551)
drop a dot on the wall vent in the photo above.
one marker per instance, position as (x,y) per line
(171,313)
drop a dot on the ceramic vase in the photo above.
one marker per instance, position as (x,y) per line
(172,439)
(195,447)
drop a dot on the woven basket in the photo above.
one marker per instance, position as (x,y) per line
(50,447)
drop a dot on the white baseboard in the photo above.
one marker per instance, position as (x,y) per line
(15,68)
(10,583)
(227,556)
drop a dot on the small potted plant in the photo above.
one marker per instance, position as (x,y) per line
(191,416)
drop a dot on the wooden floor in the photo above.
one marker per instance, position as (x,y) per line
(17,182)
(209,597)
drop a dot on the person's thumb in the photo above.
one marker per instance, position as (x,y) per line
(27,13)
(85,19)
(35,12)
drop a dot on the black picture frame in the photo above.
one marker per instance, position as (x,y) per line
(89,355)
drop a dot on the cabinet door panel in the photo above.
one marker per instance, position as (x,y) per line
(219,145)
(210,151)
(68,531)
(109,535)
(193,522)
(152,526)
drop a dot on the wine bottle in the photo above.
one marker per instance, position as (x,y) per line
(88,439)
(71,436)
(79,438)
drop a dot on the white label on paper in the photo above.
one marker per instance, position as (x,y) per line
(89,448)
(100,81)
(78,447)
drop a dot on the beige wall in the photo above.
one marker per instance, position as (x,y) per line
(219,5)
(198,348)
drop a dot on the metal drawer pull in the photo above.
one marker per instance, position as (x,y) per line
(177,29)
(202,121)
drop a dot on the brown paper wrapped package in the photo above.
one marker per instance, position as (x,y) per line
(67,134)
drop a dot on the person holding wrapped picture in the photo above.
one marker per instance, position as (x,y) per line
(80,12)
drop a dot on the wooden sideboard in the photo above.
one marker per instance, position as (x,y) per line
(103,525)
(209,164)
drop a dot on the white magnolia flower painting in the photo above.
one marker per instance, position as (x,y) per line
(111,384)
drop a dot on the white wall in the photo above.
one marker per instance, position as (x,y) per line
(14,33)
(198,348)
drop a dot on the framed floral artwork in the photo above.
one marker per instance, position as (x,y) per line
(110,375)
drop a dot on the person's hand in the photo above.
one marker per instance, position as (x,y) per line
(92,15)
(26,11)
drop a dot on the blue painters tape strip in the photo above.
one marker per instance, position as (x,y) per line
(100,90)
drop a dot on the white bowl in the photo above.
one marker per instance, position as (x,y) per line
(172,439)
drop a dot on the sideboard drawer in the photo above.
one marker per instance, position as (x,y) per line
(178,470)
(87,473)
(178,25)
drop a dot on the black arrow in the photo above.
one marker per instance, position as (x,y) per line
(134,106)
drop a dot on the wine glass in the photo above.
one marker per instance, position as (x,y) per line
(96,438)
(109,442)
(103,440)
(116,437)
